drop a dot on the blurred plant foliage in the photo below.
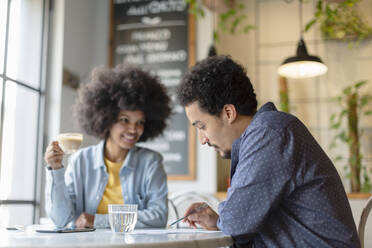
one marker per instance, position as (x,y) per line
(346,124)
(232,21)
(340,21)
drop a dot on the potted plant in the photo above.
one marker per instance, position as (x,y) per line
(353,107)
(231,17)
(340,20)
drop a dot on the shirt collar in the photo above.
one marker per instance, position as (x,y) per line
(129,160)
(269,106)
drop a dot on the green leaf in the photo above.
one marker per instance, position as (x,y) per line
(333,116)
(342,136)
(343,113)
(360,83)
(338,158)
(216,36)
(247,28)
(319,5)
(332,145)
(347,91)
(353,159)
(364,100)
(369,112)
(310,24)
(335,125)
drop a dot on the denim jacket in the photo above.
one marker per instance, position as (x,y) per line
(79,188)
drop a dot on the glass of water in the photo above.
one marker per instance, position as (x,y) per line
(122,217)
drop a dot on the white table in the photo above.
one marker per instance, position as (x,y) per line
(154,238)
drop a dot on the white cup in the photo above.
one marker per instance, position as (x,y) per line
(122,217)
(70,142)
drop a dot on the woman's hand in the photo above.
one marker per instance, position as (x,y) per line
(85,220)
(54,155)
(205,217)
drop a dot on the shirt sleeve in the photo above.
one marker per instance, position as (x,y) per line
(60,196)
(156,212)
(259,182)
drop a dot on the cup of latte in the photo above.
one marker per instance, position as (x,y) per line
(70,142)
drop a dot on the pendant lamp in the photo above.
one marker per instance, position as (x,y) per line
(302,65)
(212,51)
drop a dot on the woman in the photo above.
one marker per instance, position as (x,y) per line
(121,106)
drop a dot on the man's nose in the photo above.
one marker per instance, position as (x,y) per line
(203,139)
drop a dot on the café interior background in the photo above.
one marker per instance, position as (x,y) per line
(261,51)
(79,42)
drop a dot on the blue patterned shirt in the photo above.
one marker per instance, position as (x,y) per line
(285,191)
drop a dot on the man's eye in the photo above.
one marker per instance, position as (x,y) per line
(201,127)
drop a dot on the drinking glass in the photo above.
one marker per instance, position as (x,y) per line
(122,217)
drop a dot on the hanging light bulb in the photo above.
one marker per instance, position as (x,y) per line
(302,65)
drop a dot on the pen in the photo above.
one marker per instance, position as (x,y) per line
(204,205)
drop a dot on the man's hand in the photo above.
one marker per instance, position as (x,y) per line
(206,217)
(85,220)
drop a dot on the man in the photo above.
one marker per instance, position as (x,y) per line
(285,191)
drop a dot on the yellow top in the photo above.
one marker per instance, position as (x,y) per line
(113,193)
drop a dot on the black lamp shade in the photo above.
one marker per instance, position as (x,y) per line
(302,65)
(212,51)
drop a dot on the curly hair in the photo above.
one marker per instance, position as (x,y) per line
(122,88)
(216,81)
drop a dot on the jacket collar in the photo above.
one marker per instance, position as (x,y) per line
(99,150)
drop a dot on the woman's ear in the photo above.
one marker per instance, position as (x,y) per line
(229,112)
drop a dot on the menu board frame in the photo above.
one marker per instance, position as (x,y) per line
(191,54)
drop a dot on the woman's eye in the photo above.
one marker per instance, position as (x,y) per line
(123,119)
(142,123)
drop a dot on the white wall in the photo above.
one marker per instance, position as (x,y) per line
(86,35)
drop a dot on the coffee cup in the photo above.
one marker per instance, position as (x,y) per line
(69,142)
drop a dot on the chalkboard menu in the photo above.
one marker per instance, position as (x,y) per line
(159,36)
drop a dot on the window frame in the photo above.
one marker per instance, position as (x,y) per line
(46,10)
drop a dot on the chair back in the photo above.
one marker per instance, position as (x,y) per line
(363,221)
(173,214)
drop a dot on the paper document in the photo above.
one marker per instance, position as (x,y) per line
(171,231)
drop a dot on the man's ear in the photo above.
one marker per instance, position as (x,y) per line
(229,112)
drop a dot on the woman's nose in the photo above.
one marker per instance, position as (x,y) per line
(132,128)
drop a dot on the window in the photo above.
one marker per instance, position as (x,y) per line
(22,31)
